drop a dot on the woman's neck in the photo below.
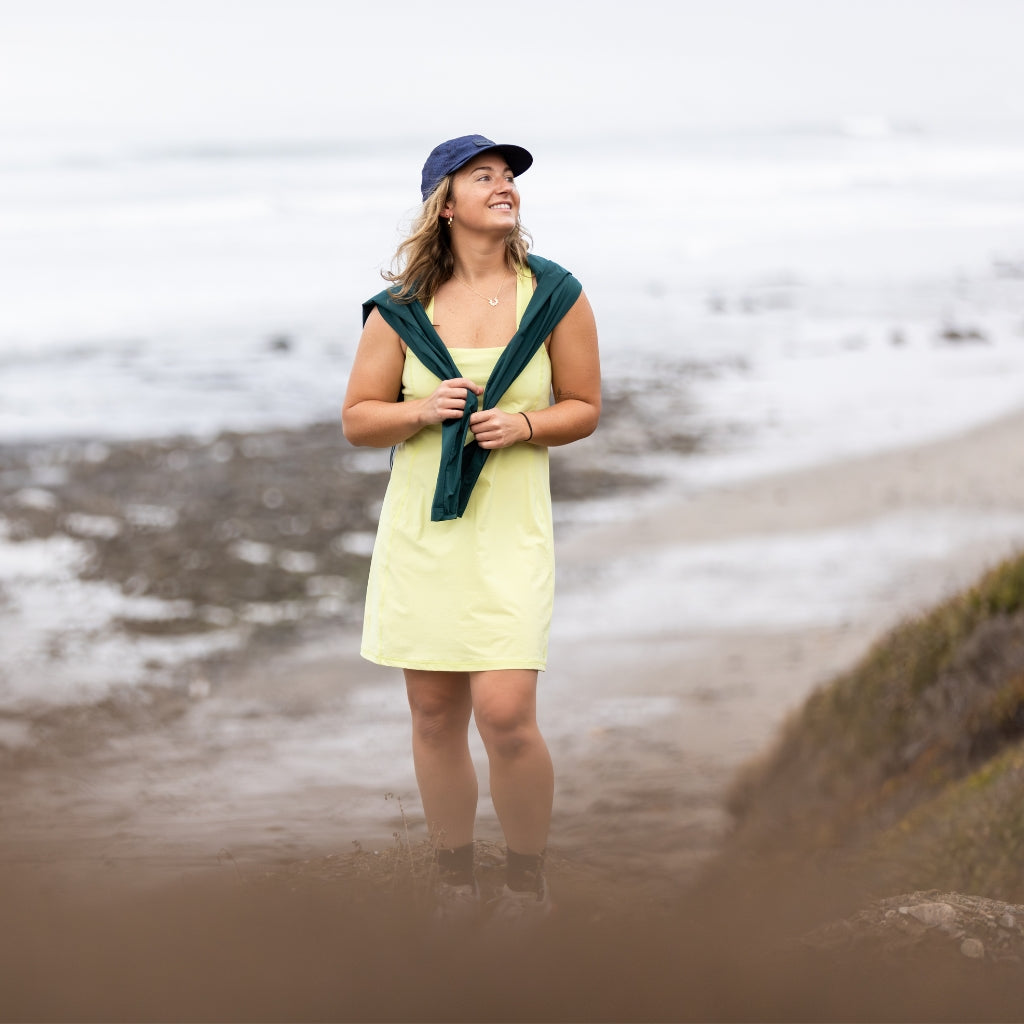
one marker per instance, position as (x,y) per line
(480,264)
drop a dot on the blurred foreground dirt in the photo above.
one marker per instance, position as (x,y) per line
(339,942)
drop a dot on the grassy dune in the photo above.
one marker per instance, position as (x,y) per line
(911,764)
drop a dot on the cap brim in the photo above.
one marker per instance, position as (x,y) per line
(519,159)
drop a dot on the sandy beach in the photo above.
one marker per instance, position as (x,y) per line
(214,829)
(253,763)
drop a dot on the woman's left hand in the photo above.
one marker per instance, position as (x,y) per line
(493,428)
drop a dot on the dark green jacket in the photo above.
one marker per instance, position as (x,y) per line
(556,292)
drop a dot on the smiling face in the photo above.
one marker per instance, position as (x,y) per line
(484,194)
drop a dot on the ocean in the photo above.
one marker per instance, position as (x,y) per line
(162,288)
(788,296)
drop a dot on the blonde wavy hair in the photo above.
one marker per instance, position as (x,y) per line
(424,261)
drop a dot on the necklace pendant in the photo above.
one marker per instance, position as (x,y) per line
(493,302)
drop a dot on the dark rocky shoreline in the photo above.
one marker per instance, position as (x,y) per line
(271,529)
(213,526)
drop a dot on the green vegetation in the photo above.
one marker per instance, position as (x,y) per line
(911,763)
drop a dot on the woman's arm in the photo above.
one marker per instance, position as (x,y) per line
(372,414)
(575,381)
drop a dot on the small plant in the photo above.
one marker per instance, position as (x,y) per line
(405,820)
(411,865)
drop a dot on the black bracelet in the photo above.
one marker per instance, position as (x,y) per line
(529,424)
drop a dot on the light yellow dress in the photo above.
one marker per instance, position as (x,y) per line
(472,593)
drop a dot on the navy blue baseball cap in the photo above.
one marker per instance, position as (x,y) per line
(455,153)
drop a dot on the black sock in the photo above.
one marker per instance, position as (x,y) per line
(456,866)
(524,872)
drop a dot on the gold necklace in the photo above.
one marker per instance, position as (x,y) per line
(490,302)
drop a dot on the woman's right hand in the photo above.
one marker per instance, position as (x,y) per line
(373,413)
(448,402)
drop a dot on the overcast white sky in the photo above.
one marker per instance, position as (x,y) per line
(318,68)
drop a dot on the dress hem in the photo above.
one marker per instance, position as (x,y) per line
(442,666)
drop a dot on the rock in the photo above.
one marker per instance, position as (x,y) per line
(934,915)
(972,926)
(956,335)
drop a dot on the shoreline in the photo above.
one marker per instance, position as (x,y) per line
(258,761)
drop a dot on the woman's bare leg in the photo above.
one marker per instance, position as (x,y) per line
(441,706)
(522,777)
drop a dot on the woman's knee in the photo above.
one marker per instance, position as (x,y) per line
(505,708)
(508,731)
(439,708)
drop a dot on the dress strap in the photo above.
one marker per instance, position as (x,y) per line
(524,291)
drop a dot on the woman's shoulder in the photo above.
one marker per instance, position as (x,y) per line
(391,303)
(540,266)
(551,275)
(554,282)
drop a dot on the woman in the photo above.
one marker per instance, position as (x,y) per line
(456,368)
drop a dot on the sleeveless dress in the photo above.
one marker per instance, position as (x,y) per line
(472,593)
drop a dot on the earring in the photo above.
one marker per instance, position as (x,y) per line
(450,219)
